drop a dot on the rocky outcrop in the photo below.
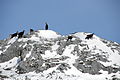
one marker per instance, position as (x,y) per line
(39,54)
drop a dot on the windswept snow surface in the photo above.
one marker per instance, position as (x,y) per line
(48,34)
(80,35)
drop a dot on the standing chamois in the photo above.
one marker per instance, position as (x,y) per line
(20,34)
(89,36)
(69,38)
(46,26)
(31,30)
(14,35)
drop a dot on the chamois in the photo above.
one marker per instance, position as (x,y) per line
(20,34)
(46,26)
(69,38)
(89,36)
(31,30)
(14,35)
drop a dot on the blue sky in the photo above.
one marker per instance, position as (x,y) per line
(64,16)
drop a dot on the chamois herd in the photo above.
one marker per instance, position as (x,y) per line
(21,34)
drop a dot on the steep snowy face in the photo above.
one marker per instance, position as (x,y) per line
(46,55)
(98,44)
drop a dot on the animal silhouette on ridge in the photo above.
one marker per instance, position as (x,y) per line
(89,36)
(20,34)
(46,26)
(14,34)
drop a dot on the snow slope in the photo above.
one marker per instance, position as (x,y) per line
(47,34)
(46,55)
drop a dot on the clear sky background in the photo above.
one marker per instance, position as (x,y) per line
(64,16)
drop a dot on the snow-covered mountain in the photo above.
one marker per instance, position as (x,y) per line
(47,55)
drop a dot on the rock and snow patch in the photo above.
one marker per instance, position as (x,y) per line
(10,64)
(72,57)
(0,52)
(46,55)
(11,41)
(49,55)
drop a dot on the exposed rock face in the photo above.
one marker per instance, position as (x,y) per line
(56,54)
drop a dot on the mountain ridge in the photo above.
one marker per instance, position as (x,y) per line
(47,55)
